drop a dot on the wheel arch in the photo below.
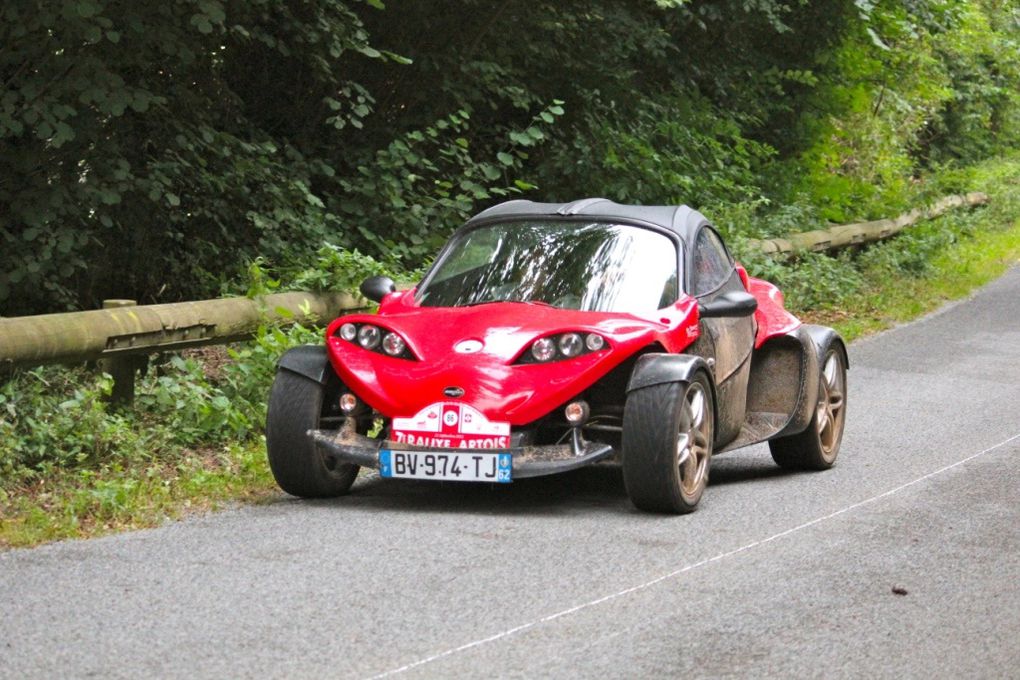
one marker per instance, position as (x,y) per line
(814,343)
(656,368)
(824,338)
(307,361)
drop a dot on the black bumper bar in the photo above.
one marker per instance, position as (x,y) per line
(528,461)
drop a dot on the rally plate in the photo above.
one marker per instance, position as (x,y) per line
(451,466)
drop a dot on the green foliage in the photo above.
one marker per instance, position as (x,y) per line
(336,268)
(980,54)
(815,282)
(810,281)
(910,84)
(131,159)
(148,149)
(677,149)
(877,89)
(58,418)
(192,409)
(406,198)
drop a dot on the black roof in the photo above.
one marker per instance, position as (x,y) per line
(679,219)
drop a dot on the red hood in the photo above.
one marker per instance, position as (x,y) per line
(492,382)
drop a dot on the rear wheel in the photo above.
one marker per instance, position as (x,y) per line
(816,447)
(667,444)
(301,468)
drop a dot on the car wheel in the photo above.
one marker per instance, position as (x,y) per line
(816,447)
(668,431)
(301,468)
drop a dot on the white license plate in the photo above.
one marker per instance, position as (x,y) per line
(449,466)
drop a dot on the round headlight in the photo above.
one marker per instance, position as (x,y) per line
(348,402)
(576,413)
(368,337)
(544,349)
(594,342)
(570,344)
(393,344)
(348,332)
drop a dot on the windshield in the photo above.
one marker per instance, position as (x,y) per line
(574,265)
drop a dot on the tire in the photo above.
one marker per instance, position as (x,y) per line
(816,447)
(296,405)
(668,431)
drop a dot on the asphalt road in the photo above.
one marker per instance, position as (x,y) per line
(777,575)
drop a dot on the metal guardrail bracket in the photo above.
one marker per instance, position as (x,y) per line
(121,369)
(176,338)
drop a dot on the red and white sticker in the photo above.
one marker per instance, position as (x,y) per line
(450,425)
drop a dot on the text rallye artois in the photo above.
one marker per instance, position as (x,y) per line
(547,337)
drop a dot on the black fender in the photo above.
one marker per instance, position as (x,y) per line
(815,342)
(824,338)
(658,368)
(308,361)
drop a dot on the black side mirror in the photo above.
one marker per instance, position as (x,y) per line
(377,287)
(734,303)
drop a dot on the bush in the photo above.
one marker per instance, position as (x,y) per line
(59,418)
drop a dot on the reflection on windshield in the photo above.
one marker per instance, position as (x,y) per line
(573,265)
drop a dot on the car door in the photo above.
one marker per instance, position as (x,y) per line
(726,342)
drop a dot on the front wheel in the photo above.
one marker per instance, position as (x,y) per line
(668,431)
(816,447)
(296,405)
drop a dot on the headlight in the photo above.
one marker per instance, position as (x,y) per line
(563,346)
(570,345)
(393,344)
(368,337)
(544,349)
(375,339)
(348,332)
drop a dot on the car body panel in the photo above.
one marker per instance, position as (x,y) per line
(771,316)
(492,380)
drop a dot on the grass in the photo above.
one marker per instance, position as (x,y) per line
(135,471)
(71,467)
(86,503)
(956,273)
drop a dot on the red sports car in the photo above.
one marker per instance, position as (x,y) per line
(547,337)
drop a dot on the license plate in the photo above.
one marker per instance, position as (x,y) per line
(448,466)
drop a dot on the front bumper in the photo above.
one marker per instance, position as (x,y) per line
(528,461)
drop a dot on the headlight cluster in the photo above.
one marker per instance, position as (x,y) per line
(563,346)
(375,339)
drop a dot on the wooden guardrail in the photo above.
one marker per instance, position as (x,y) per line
(121,331)
(864,232)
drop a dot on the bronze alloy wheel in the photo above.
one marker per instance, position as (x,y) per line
(668,432)
(694,445)
(829,416)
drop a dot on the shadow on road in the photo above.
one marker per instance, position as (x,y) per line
(579,491)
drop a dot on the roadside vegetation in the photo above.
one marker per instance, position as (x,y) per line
(226,147)
(73,467)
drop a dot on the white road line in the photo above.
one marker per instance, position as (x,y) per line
(683,570)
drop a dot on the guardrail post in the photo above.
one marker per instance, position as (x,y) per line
(121,368)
